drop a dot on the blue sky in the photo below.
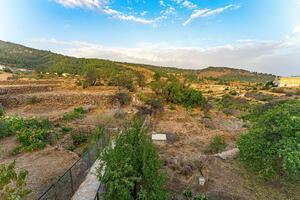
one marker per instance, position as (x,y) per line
(259,35)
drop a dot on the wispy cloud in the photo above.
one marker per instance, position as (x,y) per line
(209,12)
(102,6)
(280,56)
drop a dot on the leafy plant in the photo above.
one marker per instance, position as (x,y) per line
(79,139)
(77,113)
(271,147)
(132,168)
(123,98)
(218,144)
(187,193)
(2,111)
(12,184)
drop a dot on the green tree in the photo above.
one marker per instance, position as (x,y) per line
(132,168)
(272,146)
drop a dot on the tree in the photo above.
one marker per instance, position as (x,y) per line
(132,168)
(12,184)
(272,147)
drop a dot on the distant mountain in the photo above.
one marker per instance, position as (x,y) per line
(20,56)
(231,74)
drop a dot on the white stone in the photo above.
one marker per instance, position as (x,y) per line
(202,180)
(233,153)
(159,137)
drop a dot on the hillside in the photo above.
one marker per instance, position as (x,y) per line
(19,56)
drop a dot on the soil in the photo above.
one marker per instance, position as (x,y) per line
(184,154)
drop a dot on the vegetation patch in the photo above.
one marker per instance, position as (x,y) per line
(132,168)
(77,113)
(32,100)
(271,147)
(12,183)
(217,144)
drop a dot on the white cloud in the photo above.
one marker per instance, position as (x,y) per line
(296,29)
(82,3)
(280,57)
(189,4)
(208,12)
(103,7)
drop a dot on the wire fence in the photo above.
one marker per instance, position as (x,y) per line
(68,183)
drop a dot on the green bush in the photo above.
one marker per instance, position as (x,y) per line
(12,184)
(2,111)
(31,133)
(122,80)
(217,145)
(187,193)
(178,93)
(77,113)
(123,98)
(271,147)
(79,139)
(66,129)
(132,168)
(156,104)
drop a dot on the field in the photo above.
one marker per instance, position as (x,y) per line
(201,112)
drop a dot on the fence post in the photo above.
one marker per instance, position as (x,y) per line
(71,179)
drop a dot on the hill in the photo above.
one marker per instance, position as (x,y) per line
(20,56)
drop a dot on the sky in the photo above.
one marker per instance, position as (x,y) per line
(257,35)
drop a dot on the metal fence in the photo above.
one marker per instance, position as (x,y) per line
(68,183)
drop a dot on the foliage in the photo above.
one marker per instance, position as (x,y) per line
(2,111)
(156,104)
(12,184)
(122,80)
(271,147)
(77,113)
(79,139)
(178,93)
(123,98)
(228,104)
(31,133)
(66,129)
(132,168)
(187,193)
(217,144)
(90,79)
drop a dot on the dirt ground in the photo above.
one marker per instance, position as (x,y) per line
(185,154)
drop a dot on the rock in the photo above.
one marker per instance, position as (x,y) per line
(172,163)
(171,137)
(201,180)
(159,137)
(186,170)
(119,114)
(230,154)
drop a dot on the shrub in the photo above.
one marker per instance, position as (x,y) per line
(90,79)
(12,184)
(79,139)
(77,113)
(271,147)
(187,193)
(178,93)
(233,93)
(217,145)
(122,80)
(132,168)
(2,111)
(156,104)
(66,129)
(123,98)
(32,100)
(7,70)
